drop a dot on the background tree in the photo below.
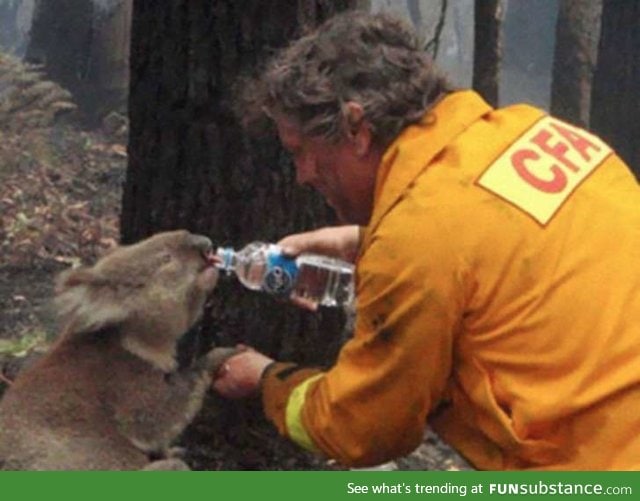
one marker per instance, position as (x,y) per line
(527,59)
(487,48)
(108,76)
(59,40)
(615,106)
(575,53)
(8,25)
(433,44)
(83,45)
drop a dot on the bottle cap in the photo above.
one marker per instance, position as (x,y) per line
(226,255)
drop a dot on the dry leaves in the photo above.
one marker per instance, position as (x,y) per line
(59,195)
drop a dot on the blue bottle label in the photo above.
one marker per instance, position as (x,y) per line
(281,274)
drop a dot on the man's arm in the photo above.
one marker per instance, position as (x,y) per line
(373,404)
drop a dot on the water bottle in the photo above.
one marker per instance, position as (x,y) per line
(316,279)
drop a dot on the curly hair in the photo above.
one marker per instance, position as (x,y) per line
(375,60)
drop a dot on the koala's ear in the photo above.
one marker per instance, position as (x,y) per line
(83,275)
(81,299)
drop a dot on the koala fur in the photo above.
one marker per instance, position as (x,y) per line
(109,392)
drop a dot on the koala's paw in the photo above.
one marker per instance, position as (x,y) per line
(172,464)
(175,452)
(218,356)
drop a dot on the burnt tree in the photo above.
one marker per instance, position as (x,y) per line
(191,166)
(83,45)
(487,51)
(109,69)
(60,39)
(614,104)
(574,60)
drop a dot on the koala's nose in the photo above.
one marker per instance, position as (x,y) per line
(202,243)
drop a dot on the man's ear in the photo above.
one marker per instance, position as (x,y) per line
(357,128)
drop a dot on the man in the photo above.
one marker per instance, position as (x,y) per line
(498,291)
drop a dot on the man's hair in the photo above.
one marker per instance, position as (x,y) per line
(375,60)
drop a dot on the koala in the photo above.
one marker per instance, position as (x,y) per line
(109,393)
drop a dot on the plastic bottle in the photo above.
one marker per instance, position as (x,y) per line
(318,280)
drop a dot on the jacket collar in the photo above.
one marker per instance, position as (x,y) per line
(417,145)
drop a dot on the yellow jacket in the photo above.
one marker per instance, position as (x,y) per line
(498,292)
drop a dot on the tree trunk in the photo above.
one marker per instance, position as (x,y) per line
(190,166)
(109,71)
(488,48)
(84,47)
(10,33)
(615,106)
(574,59)
(60,40)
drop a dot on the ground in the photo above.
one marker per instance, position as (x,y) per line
(60,190)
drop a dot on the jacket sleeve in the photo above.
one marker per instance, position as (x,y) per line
(372,405)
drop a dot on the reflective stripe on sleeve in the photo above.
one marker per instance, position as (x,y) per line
(293,419)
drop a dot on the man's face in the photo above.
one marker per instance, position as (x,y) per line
(344,172)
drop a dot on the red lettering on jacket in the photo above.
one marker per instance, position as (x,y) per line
(544,166)
(548,145)
(579,142)
(558,150)
(554,185)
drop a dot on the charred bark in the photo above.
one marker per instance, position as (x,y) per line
(615,106)
(60,39)
(109,70)
(574,59)
(488,48)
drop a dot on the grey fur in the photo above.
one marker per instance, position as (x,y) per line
(109,393)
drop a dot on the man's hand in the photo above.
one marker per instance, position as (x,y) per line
(335,241)
(341,242)
(239,376)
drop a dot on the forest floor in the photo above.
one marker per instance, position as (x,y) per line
(60,193)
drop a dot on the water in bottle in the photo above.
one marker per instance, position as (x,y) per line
(323,280)
(315,279)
